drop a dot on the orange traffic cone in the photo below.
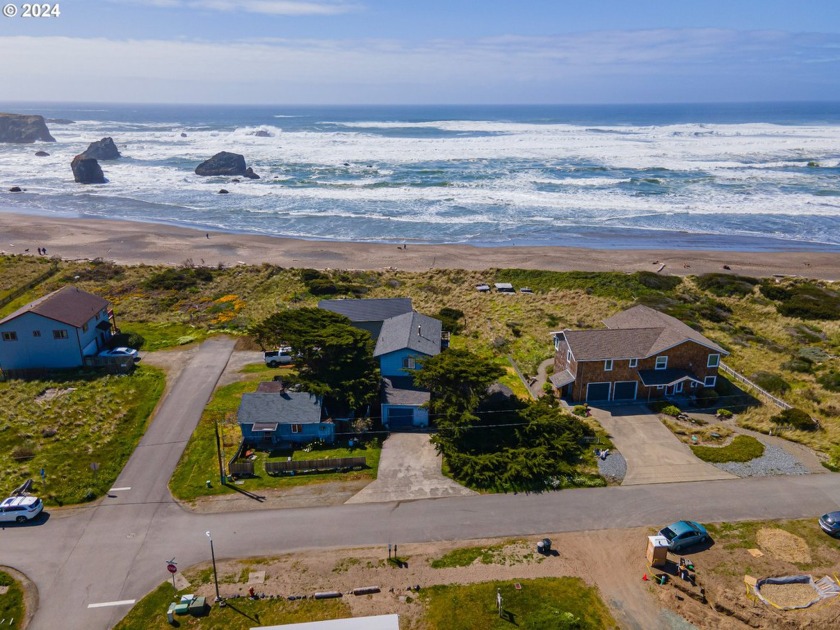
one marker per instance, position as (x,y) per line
(645,578)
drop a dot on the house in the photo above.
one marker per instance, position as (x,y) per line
(642,354)
(56,331)
(403,339)
(275,416)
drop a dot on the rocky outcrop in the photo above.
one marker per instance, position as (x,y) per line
(223,163)
(224,191)
(87,170)
(42,154)
(183,135)
(262,133)
(23,129)
(104,149)
(15,189)
(250,174)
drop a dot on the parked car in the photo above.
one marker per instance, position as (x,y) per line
(129,353)
(281,356)
(830,523)
(684,534)
(19,509)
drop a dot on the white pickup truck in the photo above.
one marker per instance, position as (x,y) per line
(281,356)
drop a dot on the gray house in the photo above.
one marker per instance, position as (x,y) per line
(55,331)
(403,339)
(275,416)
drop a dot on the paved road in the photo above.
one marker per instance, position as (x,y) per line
(653,453)
(409,469)
(116,551)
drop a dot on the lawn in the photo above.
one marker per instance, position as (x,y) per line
(162,335)
(240,614)
(507,553)
(12,608)
(199,461)
(742,448)
(542,604)
(65,424)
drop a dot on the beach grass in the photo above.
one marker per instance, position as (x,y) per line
(69,422)
(12,606)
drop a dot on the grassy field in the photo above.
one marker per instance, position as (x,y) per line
(240,614)
(548,603)
(742,448)
(199,462)
(507,553)
(12,608)
(66,424)
(735,314)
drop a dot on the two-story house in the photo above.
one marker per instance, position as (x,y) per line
(403,339)
(55,331)
(642,354)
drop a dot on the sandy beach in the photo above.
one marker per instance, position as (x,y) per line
(132,243)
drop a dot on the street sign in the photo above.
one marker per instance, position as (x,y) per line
(171,568)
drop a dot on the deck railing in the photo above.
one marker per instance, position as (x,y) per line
(762,392)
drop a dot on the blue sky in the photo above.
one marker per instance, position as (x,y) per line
(454,51)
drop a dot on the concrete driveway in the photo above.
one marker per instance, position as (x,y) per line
(653,453)
(409,469)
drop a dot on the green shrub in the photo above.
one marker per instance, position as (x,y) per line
(308,275)
(798,364)
(830,380)
(725,285)
(797,418)
(773,383)
(580,410)
(130,340)
(775,292)
(671,410)
(451,319)
(178,278)
(724,413)
(811,301)
(322,286)
(742,449)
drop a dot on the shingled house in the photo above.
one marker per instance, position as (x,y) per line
(273,416)
(642,354)
(403,339)
(56,331)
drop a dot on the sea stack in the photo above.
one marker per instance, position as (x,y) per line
(87,170)
(104,149)
(23,129)
(223,163)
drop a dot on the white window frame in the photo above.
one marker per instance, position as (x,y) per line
(409,363)
(569,356)
(10,336)
(608,365)
(660,387)
(678,387)
(713,382)
(60,334)
(716,363)
(634,363)
(297,428)
(664,366)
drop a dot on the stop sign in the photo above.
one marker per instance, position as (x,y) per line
(171,568)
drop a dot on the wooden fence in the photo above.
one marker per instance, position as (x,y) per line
(315,465)
(241,468)
(743,379)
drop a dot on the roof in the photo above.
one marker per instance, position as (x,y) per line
(413,331)
(377,622)
(69,305)
(400,390)
(372,310)
(636,333)
(675,331)
(666,377)
(561,379)
(283,408)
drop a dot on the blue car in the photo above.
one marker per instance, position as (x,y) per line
(830,523)
(684,534)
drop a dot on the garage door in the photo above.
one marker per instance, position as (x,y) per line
(400,418)
(624,390)
(597,391)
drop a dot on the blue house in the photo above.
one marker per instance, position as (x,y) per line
(56,331)
(403,338)
(273,416)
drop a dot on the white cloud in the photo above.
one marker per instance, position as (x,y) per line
(265,7)
(701,64)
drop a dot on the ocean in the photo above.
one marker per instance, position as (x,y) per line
(754,177)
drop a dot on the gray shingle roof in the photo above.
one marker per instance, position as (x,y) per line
(412,330)
(675,330)
(400,390)
(372,310)
(561,379)
(68,305)
(285,408)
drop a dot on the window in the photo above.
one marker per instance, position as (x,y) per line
(634,363)
(297,428)
(608,365)
(709,381)
(660,387)
(679,387)
(9,336)
(409,363)
(569,356)
(36,333)
(714,360)
(661,363)
(84,328)
(60,334)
